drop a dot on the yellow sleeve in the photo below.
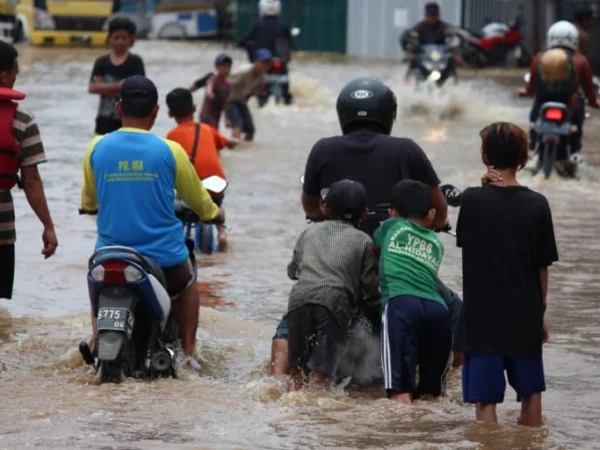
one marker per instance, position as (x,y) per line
(89,200)
(189,186)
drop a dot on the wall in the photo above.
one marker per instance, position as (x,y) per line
(323,22)
(374,26)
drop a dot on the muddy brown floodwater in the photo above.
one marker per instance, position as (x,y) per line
(48,397)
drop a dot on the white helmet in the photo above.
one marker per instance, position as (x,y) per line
(563,34)
(269,7)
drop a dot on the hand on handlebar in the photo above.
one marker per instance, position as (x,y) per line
(220,218)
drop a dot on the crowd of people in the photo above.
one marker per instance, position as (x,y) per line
(378,206)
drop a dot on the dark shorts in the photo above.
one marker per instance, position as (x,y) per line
(415,332)
(105,125)
(7,270)
(484,382)
(315,339)
(178,277)
(240,117)
(282,329)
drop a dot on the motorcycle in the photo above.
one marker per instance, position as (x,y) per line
(495,43)
(553,129)
(277,84)
(203,235)
(136,333)
(431,66)
(277,78)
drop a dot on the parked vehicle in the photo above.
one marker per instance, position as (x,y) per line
(495,44)
(189,20)
(8,21)
(56,22)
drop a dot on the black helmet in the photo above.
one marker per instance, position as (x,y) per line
(366,100)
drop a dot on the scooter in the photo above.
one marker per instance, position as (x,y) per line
(495,43)
(203,235)
(553,147)
(431,67)
(136,333)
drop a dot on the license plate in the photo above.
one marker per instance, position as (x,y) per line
(116,319)
(277,78)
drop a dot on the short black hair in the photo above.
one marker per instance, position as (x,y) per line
(122,23)
(180,102)
(138,107)
(411,198)
(583,14)
(8,56)
(432,8)
(505,145)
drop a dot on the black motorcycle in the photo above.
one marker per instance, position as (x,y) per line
(431,66)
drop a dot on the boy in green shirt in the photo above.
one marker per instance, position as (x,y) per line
(416,327)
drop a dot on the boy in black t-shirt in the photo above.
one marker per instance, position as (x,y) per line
(111,70)
(507,239)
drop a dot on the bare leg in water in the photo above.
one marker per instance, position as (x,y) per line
(279,357)
(186,309)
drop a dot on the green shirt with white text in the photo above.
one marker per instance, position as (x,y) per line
(410,258)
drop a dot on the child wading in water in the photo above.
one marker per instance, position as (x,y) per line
(416,326)
(216,92)
(507,239)
(110,71)
(335,265)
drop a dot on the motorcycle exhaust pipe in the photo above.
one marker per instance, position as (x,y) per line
(161,361)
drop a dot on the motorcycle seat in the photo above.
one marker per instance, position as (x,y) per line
(148,264)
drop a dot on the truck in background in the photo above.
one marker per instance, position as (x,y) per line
(8,20)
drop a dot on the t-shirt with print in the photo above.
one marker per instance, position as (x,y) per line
(410,259)
(107,119)
(212,107)
(244,84)
(27,135)
(507,236)
(210,142)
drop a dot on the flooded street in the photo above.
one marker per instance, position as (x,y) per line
(49,399)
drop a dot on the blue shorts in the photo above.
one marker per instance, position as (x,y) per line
(483,377)
(282,329)
(240,117)
(415,331)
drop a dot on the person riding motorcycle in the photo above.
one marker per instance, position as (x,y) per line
(434,31)
(557,75)
(366,153)
(272,33)
(269,32)
(130,176)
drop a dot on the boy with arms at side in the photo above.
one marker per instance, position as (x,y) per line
(200,141)
(334,264)
(216,92)
(507,239)
(110,71)
(416,326)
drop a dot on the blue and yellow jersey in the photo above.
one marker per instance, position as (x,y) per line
(129,177)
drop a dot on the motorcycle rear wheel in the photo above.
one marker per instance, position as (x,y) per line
(548,159)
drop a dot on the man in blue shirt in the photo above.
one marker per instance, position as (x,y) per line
(129,177)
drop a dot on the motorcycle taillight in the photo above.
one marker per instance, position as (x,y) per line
(114,272)
(277,66)
(554,114)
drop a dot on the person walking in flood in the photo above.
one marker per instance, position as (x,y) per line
(110,71)
(506,234)
(21,150)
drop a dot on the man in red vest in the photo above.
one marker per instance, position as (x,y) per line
(21,150)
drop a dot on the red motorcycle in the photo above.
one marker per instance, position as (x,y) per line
(495,44)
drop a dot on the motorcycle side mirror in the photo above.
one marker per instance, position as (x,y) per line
(453,195)
(215,184)
(295,31)
(527,77)
(302,179)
